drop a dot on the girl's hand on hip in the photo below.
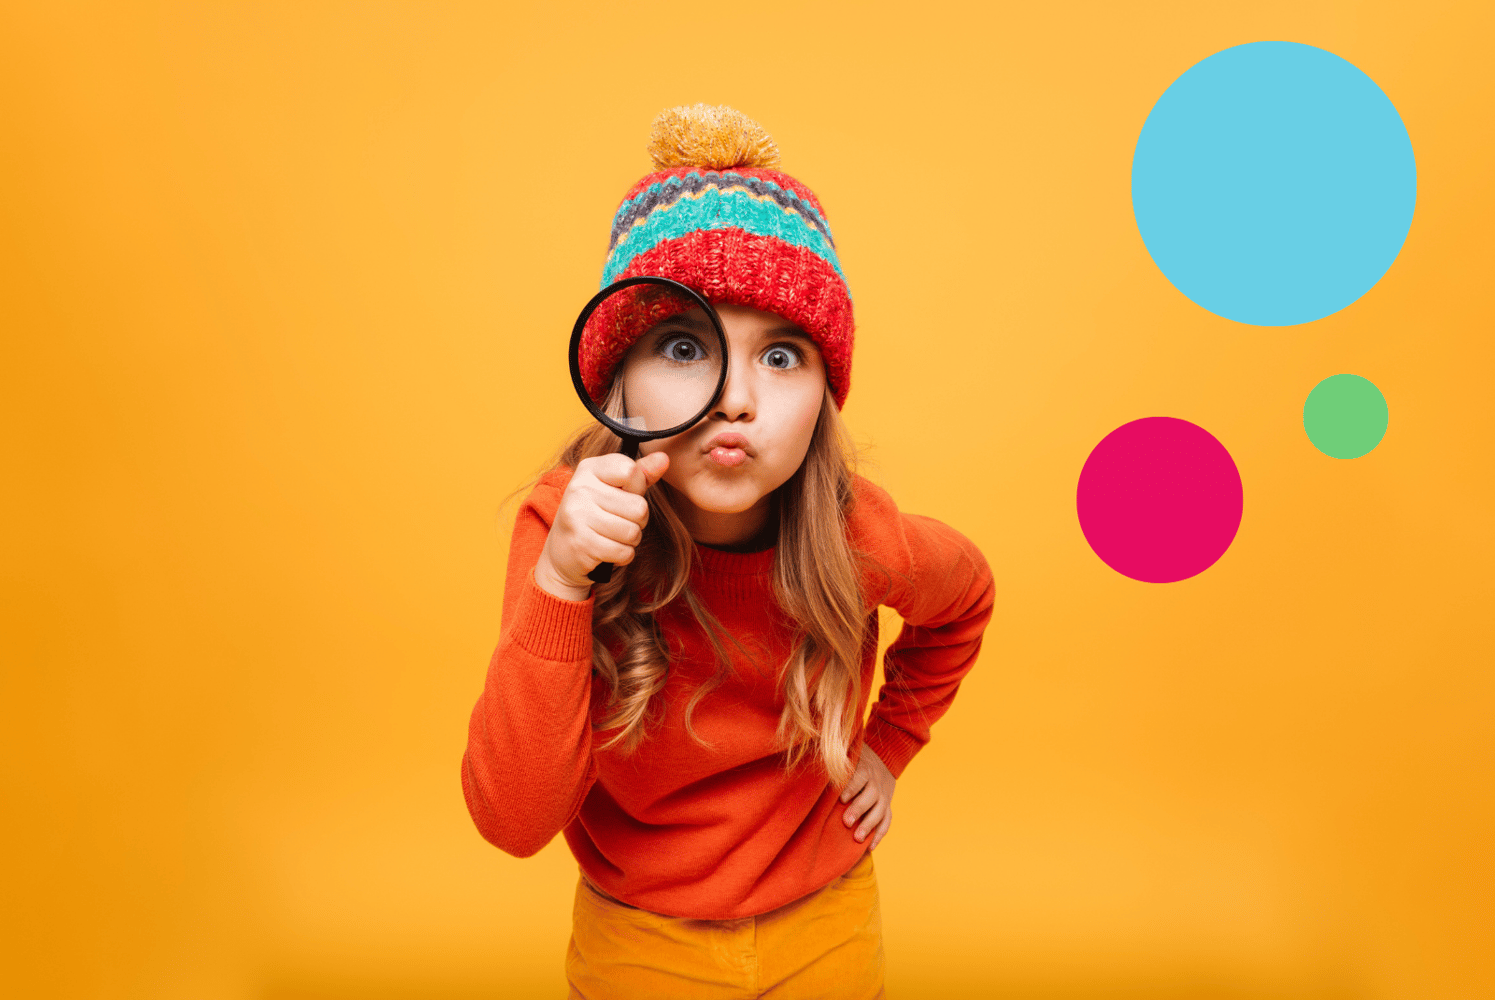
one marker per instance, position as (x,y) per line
(870,792)
(601,519)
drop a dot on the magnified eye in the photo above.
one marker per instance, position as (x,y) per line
(682,348)
(782,356)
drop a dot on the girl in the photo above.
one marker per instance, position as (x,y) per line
(694,725)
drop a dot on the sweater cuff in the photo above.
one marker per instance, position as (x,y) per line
(551,627)
(893,745)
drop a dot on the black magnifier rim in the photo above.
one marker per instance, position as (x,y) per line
(623,430)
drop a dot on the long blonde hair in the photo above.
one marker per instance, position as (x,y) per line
(816,582)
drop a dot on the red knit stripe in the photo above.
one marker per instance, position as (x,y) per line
(736,267)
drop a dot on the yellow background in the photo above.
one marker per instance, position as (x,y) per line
(285,295)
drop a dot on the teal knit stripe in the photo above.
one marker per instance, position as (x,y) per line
(661,194)
(717,208)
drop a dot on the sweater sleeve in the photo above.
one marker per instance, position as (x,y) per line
(941,585)
(528,763)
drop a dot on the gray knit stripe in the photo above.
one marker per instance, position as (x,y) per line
(673,189)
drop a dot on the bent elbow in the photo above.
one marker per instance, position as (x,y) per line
(521,847)
(496,826)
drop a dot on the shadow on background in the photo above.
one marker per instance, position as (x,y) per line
(1060,987)
(412,989)
(1202,988)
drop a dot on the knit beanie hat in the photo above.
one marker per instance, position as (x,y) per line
(715,216)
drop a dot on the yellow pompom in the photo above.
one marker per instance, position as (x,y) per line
(709,135)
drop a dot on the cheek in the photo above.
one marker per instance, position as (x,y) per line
(800,414)
(674,447)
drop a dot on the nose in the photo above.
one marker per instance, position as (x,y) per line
(738,400)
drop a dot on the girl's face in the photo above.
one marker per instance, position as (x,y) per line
(723,469)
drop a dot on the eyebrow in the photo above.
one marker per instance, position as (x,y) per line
(680,319)
(788,331)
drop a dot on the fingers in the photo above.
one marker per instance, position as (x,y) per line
(864,801)
(858,780)
(653,467)
(614,484)
(882,830)
(610,538)
(624,473)
(626,505)
(880,811)
(871,807)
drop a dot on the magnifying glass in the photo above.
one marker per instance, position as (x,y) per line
(667,380)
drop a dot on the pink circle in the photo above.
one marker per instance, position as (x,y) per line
(1159,499)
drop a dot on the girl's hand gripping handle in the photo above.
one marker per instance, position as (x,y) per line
(601,519)
(603,572)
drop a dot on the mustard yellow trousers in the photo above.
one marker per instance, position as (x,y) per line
(827,946)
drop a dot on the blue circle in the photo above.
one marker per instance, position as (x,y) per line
(1273,183)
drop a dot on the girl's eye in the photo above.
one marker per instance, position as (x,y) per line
(682,348)
(782,356)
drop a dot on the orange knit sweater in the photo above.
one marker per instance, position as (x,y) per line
(677,828)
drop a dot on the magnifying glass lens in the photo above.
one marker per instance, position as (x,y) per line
(670,374)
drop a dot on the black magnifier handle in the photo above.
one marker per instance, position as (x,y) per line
(604,571)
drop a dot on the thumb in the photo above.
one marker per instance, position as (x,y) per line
(654,465)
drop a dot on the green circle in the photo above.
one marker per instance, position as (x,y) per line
(1345,416)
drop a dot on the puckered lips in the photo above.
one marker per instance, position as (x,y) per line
(729,449)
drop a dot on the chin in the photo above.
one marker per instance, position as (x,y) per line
(717,503)
(723,499)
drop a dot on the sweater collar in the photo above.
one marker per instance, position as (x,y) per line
(716,562)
